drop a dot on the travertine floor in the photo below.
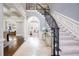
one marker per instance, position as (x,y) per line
(33,47)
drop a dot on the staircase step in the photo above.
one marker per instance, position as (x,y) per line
(69,50)
(65,33)
(68,42)
(67,37)
(64,30)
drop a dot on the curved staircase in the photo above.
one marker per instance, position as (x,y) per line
(69,43)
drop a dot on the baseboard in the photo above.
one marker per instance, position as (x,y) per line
(71,24)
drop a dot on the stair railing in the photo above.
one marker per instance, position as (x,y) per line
(54,31)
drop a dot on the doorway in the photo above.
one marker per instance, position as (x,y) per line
(33,27)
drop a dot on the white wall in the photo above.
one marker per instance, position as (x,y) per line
(17,25)
(1,29)
(20,28)
(68,9)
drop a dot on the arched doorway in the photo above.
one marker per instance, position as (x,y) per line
(33,27)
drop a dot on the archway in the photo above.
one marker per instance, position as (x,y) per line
(33,27)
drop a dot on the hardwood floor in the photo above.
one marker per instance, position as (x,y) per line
(12,48)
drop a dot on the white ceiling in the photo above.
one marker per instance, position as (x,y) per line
(14,9)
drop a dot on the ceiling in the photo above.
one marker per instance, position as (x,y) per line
(19,9)
(14,9)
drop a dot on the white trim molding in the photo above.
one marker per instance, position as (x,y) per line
(71,24)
